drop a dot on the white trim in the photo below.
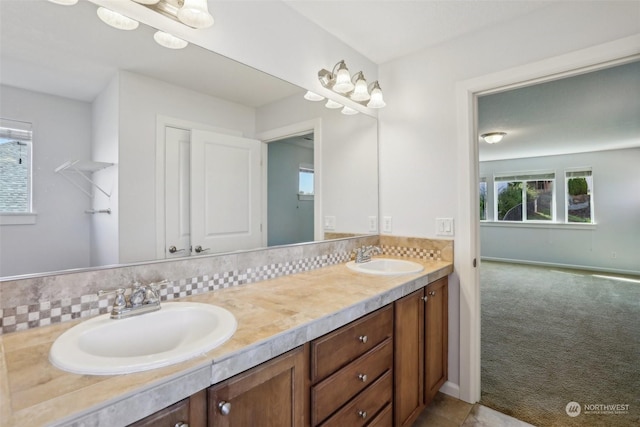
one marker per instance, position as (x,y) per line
(541,224)
(22,218)
(468,241)
(560,265)
(294,129)
(450,389)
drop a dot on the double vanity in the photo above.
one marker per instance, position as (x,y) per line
(330,346)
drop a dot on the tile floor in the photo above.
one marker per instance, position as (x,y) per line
(446,411)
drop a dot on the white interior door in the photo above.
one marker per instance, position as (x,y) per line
(177,192)
(226,182)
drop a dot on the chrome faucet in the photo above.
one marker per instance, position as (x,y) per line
(364,253)
(142,299)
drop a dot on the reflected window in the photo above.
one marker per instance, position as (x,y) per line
(15,166)
(305,180)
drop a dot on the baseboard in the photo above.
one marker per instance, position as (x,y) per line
(560,265)
(451,389)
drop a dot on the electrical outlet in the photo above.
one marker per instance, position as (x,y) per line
(373,224)
(329,222)
(444,226)
(387,226)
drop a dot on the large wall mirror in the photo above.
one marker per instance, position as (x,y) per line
(135,152)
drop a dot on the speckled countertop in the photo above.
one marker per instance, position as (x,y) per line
(273,316)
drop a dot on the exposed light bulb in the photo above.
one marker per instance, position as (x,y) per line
(312,96)
(349,111)
(116,20)
(195,13)
(360,91)
(64,2)
(376,101)
(169,40)
(332,104)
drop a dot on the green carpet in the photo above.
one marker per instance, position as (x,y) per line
(552,336)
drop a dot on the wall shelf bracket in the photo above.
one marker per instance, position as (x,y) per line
(81,168)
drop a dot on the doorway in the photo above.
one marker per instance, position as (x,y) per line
(467,249)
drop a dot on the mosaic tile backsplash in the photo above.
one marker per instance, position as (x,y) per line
(40,301)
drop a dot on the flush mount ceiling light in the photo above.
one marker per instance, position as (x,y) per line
(493,137)
(355,88)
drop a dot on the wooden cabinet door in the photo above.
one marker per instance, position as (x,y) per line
(271,394)
(191,411)
(436,332)
(409,358)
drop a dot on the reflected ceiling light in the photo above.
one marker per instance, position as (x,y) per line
(195,13)
(493,137)
(169,40)
(64,2)
(333,104)
(146,1)
(349,111)
(355,88)
(312,96)
(117,20)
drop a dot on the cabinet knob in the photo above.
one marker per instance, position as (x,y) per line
(424,298)
(432,293)
(181,424)
(224,407)
(362,414)
(362,377)
(363,339)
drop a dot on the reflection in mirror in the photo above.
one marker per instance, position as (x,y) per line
(119,123)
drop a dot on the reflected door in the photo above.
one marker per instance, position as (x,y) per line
(177,192)
(225,192)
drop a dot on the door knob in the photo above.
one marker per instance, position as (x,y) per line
(173,249)
(199,249)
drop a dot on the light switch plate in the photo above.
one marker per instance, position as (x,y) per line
(444,226)
(329,222)
(373,224)
(387,225)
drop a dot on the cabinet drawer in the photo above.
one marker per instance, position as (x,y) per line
(364,406)
(384,418)
(334,350)
(336,390)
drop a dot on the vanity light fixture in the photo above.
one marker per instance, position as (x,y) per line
(117,20)
(493,137)
(312,96)
(169,40)
(355,88)
(64,2)
(349,111)
(333,104)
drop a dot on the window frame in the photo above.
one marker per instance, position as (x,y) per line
(583,172)
(524,178)
(29,215)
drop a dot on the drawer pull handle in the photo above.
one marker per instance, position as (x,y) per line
(363,377)
(363,339)
(224,407)
(362,414)
(181,424)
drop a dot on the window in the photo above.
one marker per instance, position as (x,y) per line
(15,167)
(483,199)
(579,206)
(525,197)
(305,182)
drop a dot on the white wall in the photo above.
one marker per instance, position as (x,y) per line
(349,158)
(418,128)
(61,132)
(616,202)
(104,228)
(141,100)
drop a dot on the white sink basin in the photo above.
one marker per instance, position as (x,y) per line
(386,266)
(175,333)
